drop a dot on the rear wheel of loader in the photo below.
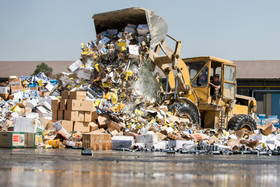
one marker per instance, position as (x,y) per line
(184,110)
(242,122)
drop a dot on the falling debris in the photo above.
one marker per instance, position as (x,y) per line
(108,101)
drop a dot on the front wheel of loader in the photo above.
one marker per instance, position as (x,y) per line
(185,110)
(242,122)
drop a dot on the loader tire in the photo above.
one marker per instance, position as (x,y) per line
(185,110)
(242,121)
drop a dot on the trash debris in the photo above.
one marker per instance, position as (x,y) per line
(107,102)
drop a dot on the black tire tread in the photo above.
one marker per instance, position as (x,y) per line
(236,122)
(185,108)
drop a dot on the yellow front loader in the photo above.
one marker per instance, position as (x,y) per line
(187,88)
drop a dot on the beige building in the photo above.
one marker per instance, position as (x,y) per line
(26,68)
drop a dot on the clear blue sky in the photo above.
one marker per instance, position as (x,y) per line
(230,29)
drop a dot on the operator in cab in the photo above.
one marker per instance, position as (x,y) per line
(215,88)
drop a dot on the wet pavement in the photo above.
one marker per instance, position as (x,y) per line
(39,167)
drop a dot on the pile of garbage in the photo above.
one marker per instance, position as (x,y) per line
(108,100)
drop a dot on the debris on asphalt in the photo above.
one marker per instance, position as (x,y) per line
(108,101)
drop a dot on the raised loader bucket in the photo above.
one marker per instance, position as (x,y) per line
(120,18)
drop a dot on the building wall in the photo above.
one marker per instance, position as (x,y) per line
(265,98)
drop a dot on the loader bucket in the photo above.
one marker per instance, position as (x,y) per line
(120,18)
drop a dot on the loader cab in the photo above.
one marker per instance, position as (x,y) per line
(202,71)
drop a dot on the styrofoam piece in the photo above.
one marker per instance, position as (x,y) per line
(49,87)
(31,104)
(160,145)
(75,66)
(23,124)
(32,115)
(43,112)
(146,139)
(183,143)
(47,105)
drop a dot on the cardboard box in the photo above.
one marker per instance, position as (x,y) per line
(46,123)
(81,116)
(103,121)
(67,125)
(55,104)
(29,140)
(71,115)
(94,114)
(15,82)
(63,104)
(93,126)
(87,116)
(65,94)
(60,115)
(94,141)
(79,105)
(54,114)
(39,138)
(34,88)
(45,94)
(16,89)
(80,95)
(113,126)
(73,104)
(13,139)
(101,145)
(81,126)
(49,125)
(87,105)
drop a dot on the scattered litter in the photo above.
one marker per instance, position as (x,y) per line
(105,103)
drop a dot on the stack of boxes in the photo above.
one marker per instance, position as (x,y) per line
(75,112)
(15,84)
(94,141)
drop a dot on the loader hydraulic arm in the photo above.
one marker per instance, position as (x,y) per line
(173,55)
(172,65)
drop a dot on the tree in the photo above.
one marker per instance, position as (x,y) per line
(43,67)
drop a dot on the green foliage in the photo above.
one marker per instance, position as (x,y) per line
(43,67)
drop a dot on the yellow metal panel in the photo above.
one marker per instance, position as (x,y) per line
(184,69)
(171,80)
(202,94)
(192,98)
(240,109)
(204,58)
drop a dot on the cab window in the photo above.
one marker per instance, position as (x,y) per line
(194,68)
(202,79)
